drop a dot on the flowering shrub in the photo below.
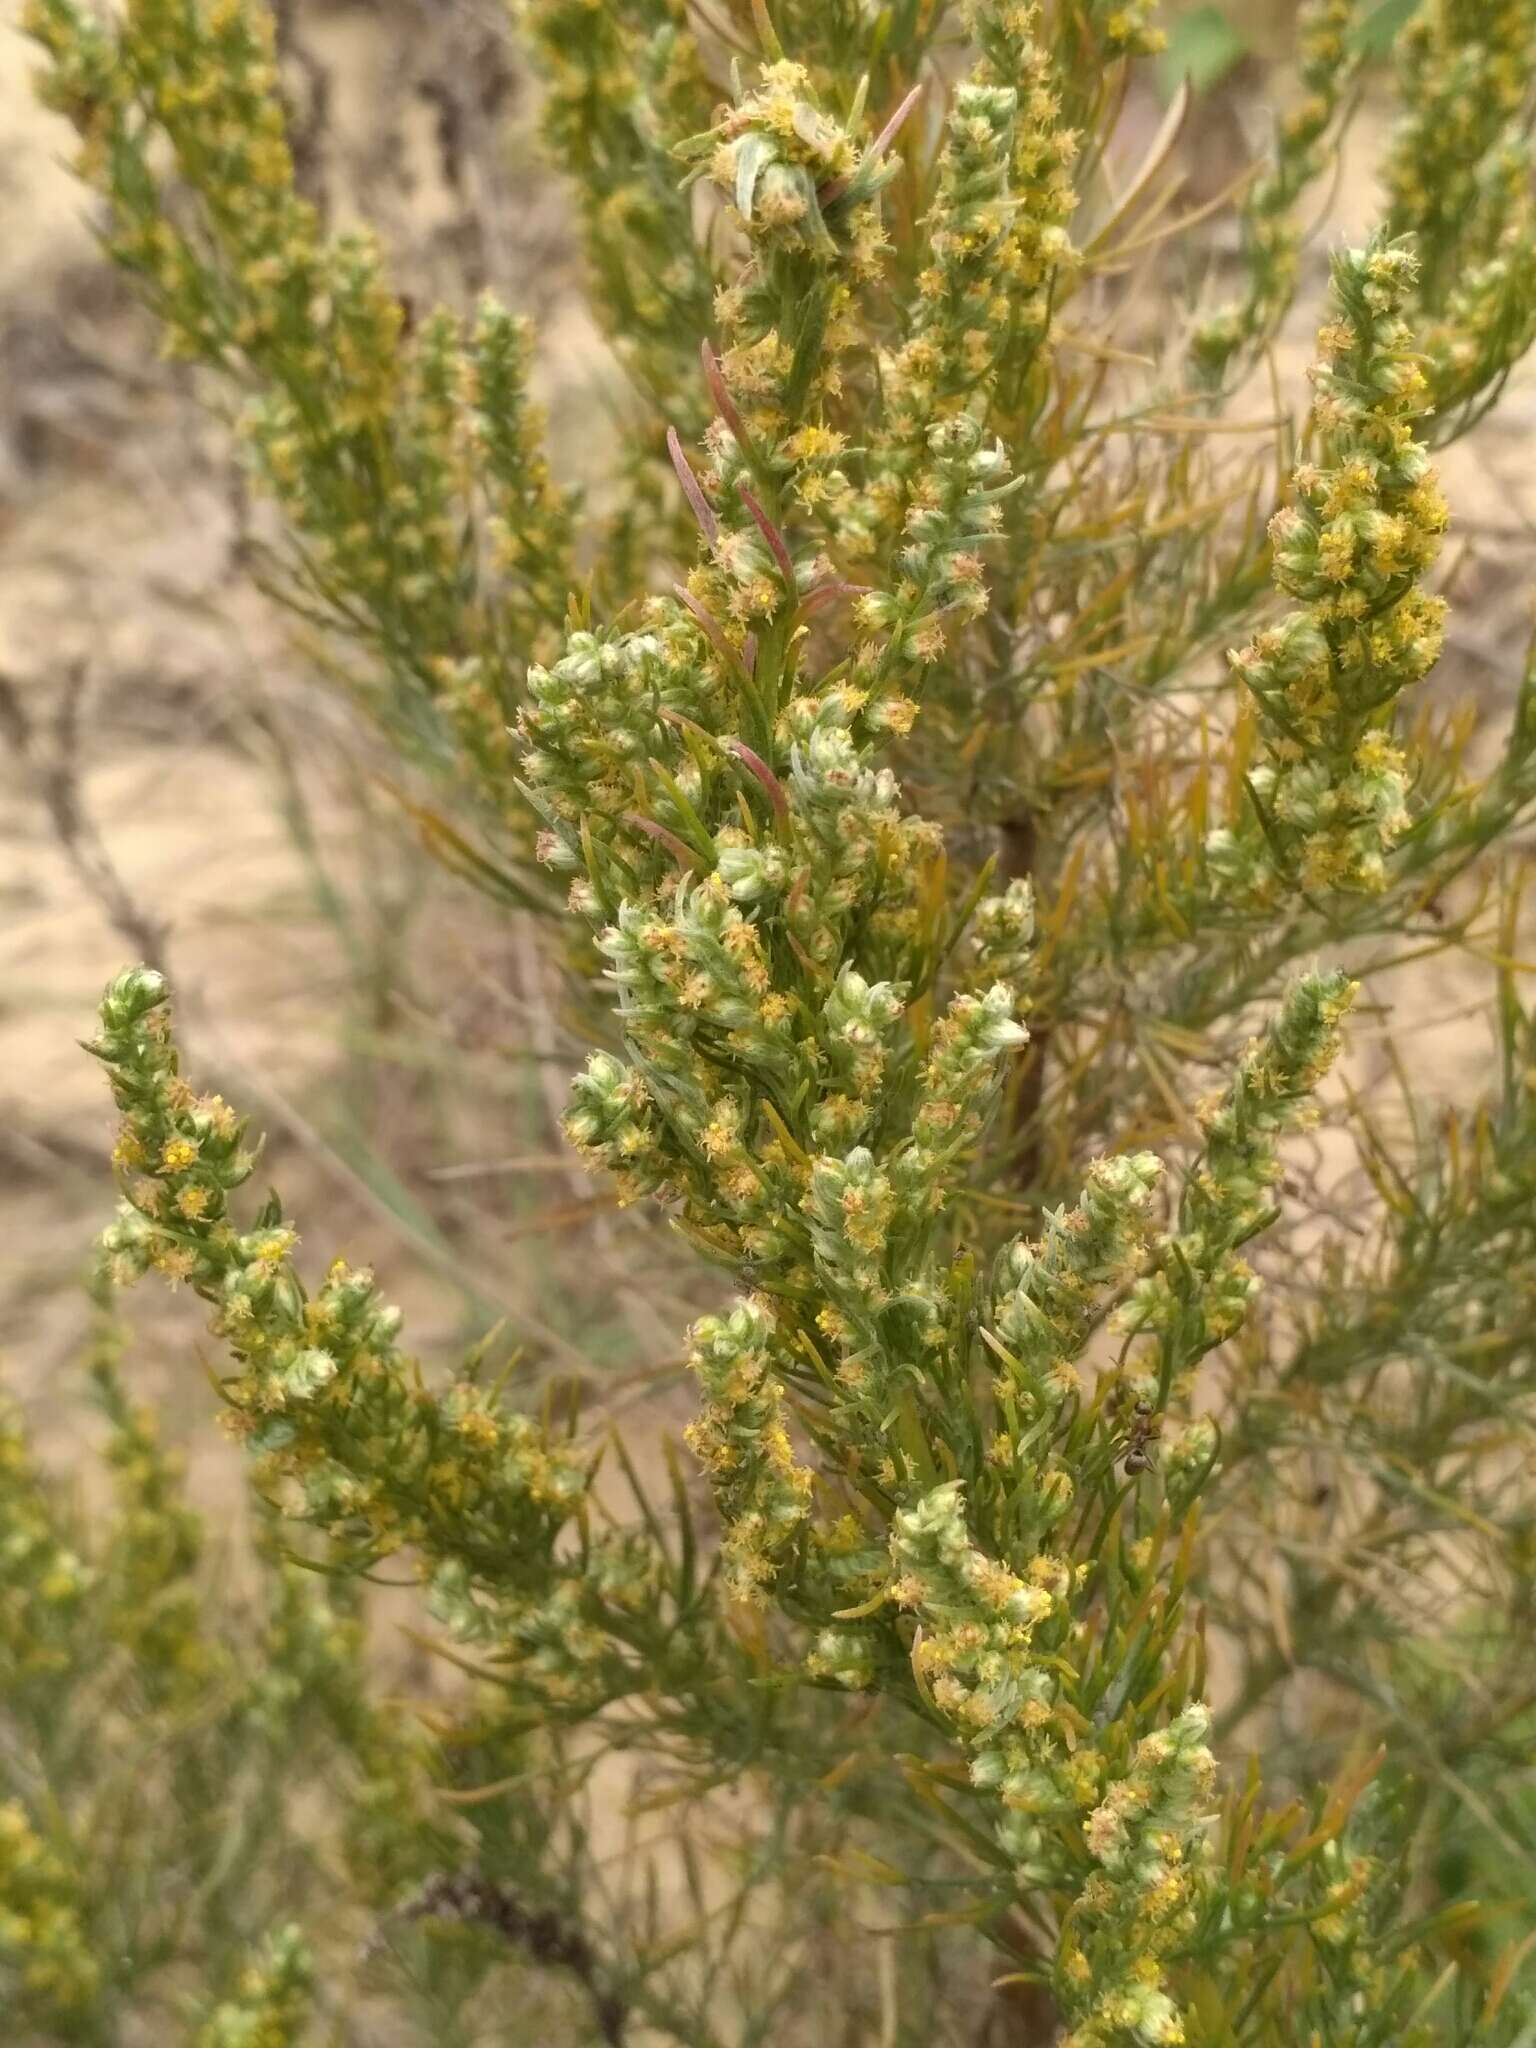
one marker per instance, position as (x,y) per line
(964,944)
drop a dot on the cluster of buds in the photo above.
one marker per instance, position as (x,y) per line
(973,1657)
(860,1226)
(1037,257)
(1168,1785)
(860,1020)
(741,1440)
(155,1546)
(1199,1289)
(1365,524)
(1000,939)
(619,80)
(1147,1835)
(1047,1292)
(804,192)
(451,404)
(967,296)
(958,1079)
(1271,234)
(776,154)
(988,1661)
(270,2006)
(323,1393)
(1458,179)
(696,1000)
(50,1970)
(592,721)
(409,466)
(1104,1811)
(997,248)
(846,815)
(955,506)
(610,1124)
(1464,75)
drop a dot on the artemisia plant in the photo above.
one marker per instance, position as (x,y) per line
(967,795)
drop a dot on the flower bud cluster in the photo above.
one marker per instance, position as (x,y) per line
(323,1393)
(270,2005)
(775,153)
(1458,176)
(50,1972)
(593,720)
(1000,939)
(1048,1292)
(803,190)
(1199,1290)
(154,1549)
(954,507)
(409,466)
(741,1440)
(43,1582)
(1147,1835)
(620,79)
(967,298)
(1365,524)
(1271,233)
(973,1656)
(868,1227)
(1464,76)
(996,243)
(1037,255)
(1126,1841)
(957,1081)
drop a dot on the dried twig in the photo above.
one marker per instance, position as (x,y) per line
(58,784)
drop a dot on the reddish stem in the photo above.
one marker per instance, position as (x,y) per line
(719,391)
(709,626)
(771,534)
(829,593)
(681,719)
(756,765)
(877,148)
(683,852)
(702,510)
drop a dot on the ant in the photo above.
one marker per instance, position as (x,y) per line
(1146,1428)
